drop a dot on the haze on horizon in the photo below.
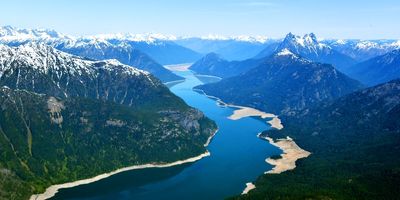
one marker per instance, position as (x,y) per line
(342,19)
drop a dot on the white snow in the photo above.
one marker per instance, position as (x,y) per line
(285,52)
(45,59)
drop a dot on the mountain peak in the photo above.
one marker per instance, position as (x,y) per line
(310,38)
(213,56)
(290,35)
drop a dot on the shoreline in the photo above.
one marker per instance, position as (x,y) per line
(177,81)
(249,186)
(205,75)
(243,111)
(291,153)
(52,190)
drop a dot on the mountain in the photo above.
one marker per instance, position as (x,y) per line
(167,52)
(213,64)
(64,118)
(310,48)
(285,83)
(377,70)
(361,50)
(125,48)
(230,48)
(354,144)
(11,35)
(102,49)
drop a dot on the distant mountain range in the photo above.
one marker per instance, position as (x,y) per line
(230,48)
(308,46)
(62,117)
(129,49)
(354,141)
(361,50)
(285,83)
(214,64)
(120,50)
(377,70)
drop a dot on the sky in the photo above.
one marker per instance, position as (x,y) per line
(341,19)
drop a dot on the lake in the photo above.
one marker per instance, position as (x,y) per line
(237,157)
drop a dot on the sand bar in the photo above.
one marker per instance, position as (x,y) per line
(242,112)
(291,153)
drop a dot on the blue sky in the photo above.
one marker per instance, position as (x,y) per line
(364,19)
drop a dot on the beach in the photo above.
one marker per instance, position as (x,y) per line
(291,153)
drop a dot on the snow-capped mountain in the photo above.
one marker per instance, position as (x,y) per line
(96,47)
(362,50)
(40,68)
(311,48)
(9,34)
(284,83)
(60,110)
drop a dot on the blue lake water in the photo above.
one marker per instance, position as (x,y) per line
(237,157)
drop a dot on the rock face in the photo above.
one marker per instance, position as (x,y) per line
(377,70)
(285,83)
(64,118)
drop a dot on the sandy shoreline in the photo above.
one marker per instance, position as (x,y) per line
(205,75)
(249,186)
(291,153)
(243,111)
(275,122)
(52,190)
(169,82)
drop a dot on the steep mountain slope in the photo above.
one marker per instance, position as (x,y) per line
(377,70)
(285,83)
(309,47)
(361,50)
(213,64)
(354,142)
(63,118)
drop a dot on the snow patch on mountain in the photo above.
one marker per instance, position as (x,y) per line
(285,52)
